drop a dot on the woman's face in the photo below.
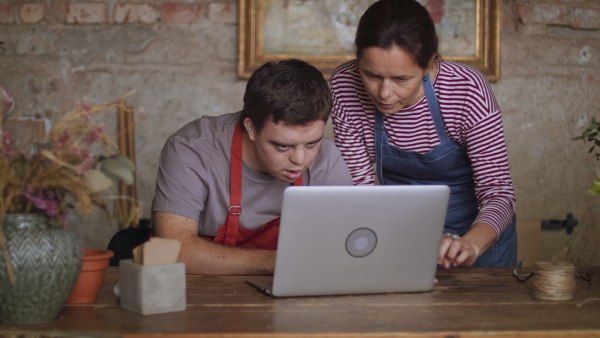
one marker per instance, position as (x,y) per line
(391,77)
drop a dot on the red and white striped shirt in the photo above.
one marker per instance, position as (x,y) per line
(471,116)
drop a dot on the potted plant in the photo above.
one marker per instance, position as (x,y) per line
(39,186)
(592,134)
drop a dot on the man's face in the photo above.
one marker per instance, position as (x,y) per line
(282,150)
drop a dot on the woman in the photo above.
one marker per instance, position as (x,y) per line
(425,121)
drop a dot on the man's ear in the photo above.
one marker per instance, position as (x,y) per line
(250,128)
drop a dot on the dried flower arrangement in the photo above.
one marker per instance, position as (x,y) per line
(62,173)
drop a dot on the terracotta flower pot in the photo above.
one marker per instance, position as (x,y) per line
(91,276)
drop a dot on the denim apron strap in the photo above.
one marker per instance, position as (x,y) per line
(434,108)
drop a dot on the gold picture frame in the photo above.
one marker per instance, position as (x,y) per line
(476,23)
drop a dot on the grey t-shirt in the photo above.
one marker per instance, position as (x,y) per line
(193,177)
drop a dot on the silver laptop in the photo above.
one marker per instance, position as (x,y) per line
(338,240)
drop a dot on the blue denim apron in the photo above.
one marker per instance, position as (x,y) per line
(447,164)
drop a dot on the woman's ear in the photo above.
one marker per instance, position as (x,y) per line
(431,63)
(250,128)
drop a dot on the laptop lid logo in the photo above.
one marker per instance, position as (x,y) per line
(361,242)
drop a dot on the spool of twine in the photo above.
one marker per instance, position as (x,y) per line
(553,280)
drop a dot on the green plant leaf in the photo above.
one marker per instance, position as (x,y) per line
(596,188)
(586,133)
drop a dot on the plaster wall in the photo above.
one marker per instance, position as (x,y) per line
(181,57)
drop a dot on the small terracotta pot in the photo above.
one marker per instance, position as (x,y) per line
(91,276)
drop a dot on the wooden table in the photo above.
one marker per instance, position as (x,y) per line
(467,302)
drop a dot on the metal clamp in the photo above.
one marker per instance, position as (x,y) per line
(555,224)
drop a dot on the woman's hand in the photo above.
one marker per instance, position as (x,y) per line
(463,251)
(456,251)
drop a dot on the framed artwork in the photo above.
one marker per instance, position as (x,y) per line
(321,32)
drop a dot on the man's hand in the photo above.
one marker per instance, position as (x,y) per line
(204,257)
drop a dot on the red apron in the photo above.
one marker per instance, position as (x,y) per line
(230,233)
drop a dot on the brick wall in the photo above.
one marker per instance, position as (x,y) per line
(115,12)
(575,14)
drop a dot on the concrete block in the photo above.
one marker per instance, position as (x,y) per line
(32,12)
(180,13)
(135,13)
(550,14)
(521,12)
(222,12)
(6,14)
(152,289)
(85,13)
(587,18)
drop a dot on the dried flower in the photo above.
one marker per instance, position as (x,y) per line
(63,173)
(7,144)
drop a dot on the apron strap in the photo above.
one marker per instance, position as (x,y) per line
(434,107)
(235,187)
(381,139)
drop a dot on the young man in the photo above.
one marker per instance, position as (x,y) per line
(221,179)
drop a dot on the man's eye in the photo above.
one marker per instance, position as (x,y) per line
(311,145)
(280,147)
